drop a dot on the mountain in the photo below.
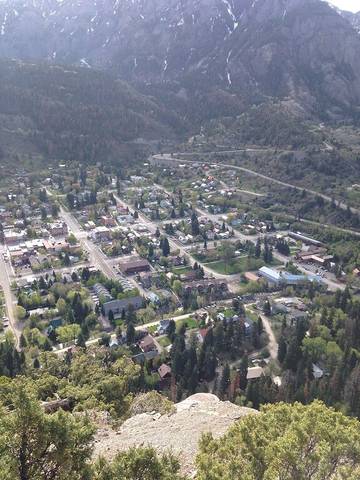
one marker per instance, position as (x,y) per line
(353,18)
(202,57)
(69,113)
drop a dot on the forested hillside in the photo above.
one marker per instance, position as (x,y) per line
(68,113)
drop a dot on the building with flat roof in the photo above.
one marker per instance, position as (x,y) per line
(117,306)
(276,277)
(135,265)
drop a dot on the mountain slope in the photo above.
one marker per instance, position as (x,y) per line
(353,18)
(71,113)
(200,50)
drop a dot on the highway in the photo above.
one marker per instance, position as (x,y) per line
(168,157)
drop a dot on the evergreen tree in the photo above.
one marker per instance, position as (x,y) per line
(225,381)
(165,247)
(130,333)
(258,248)
(282,349)
(195,228)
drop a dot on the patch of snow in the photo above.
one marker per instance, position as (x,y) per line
(85,63)
(231,13)
(2,30)
(227,68)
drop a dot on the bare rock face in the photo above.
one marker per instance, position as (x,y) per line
(179,432)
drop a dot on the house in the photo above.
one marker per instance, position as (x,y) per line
(147,344)
(125,219)
(153,298)
(135,265)
(58,229)
(208,286)
(254,373)
(107,221)
(101,234)
(102,292)
(202,334)
(164,372)
(37,262)
(118,306)
(317,371)
(163,327)
(12,238)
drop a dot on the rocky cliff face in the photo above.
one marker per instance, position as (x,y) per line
(179,431)
(353,18)
(244,50)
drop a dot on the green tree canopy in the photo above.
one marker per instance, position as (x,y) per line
(36,446)
(285,442)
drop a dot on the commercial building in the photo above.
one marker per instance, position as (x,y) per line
(133,266)
(278,278)
(118,306)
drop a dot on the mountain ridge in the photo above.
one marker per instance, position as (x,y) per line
(229,53)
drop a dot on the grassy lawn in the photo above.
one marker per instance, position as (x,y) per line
(229,312)
(164,341)
(239,265)
(181,270)
(151,329)
(252,315)
(189,322)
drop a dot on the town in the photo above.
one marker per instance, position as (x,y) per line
(139,261)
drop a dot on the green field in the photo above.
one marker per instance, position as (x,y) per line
(239,265)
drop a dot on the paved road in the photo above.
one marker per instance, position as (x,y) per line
(97,257)
(94,341)
(10,302)
(175,244)
(168,157)
(331,284)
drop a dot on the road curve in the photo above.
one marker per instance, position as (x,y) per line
(168,157)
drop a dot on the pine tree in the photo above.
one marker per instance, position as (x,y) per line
(258,248)
(225,381)
(243,371)
(165,247)
(195,229)
(282,349)
(130,333)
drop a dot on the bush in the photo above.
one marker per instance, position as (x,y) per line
(151,402)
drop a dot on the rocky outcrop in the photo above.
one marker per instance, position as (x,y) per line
(180,431)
